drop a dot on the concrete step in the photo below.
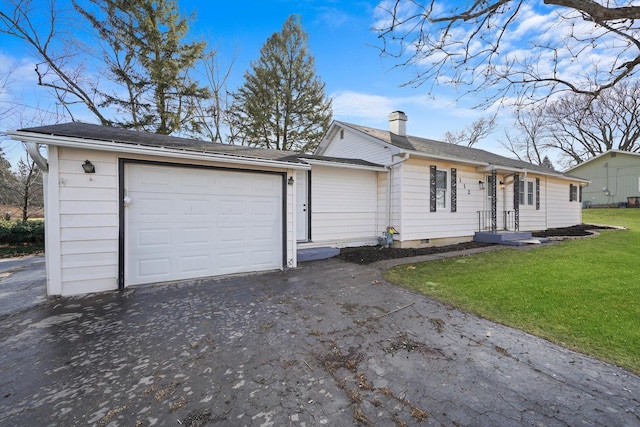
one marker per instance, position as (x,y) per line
(522,242)
(313,254)
(511,238)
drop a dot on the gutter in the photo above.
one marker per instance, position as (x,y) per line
(344,165)
(75,142)
(34,153)
(389,168)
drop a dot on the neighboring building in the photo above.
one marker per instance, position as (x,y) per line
(614,176)
(124,208)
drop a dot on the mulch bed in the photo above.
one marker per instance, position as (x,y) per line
(369,254)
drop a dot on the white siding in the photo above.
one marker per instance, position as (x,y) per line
(88,217)
(561,212)
(419,223)
(344,204)
(354,146)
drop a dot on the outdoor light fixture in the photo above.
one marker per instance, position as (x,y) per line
(290,180)
(88,167)
(502,185)
(481,184)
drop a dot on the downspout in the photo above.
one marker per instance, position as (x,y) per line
(34,153)
(389,167)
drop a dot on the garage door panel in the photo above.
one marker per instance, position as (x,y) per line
(203,223)
(196,263)
(154,238)
(145,206)
(154,268)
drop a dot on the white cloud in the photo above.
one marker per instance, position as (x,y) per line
(428,117)
(361,105)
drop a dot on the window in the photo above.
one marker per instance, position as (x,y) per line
(573,193)
(441,189)
(526,193)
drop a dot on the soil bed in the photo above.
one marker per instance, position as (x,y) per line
(369,254)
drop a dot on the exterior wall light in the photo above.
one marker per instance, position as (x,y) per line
(290,180)
(481,184)
(88,167)
(502,185)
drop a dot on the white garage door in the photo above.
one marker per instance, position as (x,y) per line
(185,223)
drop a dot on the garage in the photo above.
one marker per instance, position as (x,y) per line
(189,222)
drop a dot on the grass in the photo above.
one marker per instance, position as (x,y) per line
(583,294)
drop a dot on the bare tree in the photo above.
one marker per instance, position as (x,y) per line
(527,140)
(473,133)
(29,187)
(212,113)
(140,47)
(581,127)
(39,24)
(514,48)
(7,106)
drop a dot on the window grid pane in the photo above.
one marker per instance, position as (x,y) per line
(441,189)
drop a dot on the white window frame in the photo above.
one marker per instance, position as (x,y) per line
(441,195)
(573,193)
(526,198)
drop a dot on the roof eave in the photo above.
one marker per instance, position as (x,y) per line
(488,167)
(129,148)
(344,165)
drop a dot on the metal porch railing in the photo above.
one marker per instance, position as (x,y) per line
(485,222)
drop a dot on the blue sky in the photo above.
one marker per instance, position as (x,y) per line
(365,87)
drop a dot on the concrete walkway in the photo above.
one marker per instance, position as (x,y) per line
(330,343)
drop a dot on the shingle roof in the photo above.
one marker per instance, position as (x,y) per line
(440,149)
(129,137)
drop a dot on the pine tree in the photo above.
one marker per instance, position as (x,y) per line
(282,104)
(147,55)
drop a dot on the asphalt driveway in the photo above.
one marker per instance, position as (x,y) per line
(330,343)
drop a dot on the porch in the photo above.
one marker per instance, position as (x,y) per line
(508,234)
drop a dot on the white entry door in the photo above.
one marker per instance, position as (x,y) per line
(183,223)
(302,206)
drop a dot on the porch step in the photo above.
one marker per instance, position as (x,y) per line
(522,242)
(510,238)
(313,254)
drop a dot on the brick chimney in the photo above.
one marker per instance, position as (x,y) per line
(398,123)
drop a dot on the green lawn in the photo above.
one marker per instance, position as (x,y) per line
(583,294)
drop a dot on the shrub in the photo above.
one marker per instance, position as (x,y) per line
(22,232)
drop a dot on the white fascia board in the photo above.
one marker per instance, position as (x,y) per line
(484,167)
(127,148)
(344,165)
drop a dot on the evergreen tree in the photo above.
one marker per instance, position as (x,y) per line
(8,183)
(282,104)
(146,54)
